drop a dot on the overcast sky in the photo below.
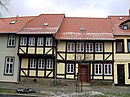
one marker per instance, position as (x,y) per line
(71,8)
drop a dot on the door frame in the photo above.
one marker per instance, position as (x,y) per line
(87,65)
(120,67)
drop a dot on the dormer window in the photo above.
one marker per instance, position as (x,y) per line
(125,27)
(45,24)
(82,29)
(13,21)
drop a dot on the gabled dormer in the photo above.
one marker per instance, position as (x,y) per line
(125,25)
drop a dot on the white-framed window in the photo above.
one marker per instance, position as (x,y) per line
(32,63)
(41,63)
(89,47)
(49,64)
(9,65)
(70,68)
(80,47)
(108,69)
(31,41)
(99,47)
(70,46)
(11,40)
(23,41)
(98,69)
(49,41)
(40,41)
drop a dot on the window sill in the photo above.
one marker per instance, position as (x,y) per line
(8,74)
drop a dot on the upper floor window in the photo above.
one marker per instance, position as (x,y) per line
(128,44)
(49,64)
(23,41)
(70,68)
(99,47)
(11,40)
(9,64)
(32,63)
(89,47)
(98,69)
(125,27)
(49,41)
(40,41)
(31,41)
(70,47)
(108,69)
(41,63)
(119,45)
(80,47)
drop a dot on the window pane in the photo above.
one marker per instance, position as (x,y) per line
(119,46)
(70,47)
(41,63)
(98,69)
(23,41)
(11,40)
(128,46)
(9,65)
(107,69)
(89,47)
(32,63)
(31,41)
(40,41)
(70,68)
(80,47)
(49,41)
(99,47)
(49,64)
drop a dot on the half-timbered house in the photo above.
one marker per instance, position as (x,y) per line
(55,46)
(36,49)
(85,47)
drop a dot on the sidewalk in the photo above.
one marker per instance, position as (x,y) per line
(47,88)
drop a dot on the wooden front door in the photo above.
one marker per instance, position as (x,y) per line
(120,74)
(85,74)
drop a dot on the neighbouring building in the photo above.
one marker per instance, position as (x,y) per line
(55,46)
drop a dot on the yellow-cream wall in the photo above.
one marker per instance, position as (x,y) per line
(122,58)
(61,46)
(39,50)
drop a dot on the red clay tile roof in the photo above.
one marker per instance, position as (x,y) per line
(6,27)
(95,29)
(117,30)
(36,26)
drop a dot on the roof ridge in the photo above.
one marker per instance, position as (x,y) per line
(87,17)
(52,14)
(17,17)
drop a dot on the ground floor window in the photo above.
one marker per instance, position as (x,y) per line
(49,63)
(32,63)
(70,68)
(98,69)
(108,69)
(9,64)
(40,63)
